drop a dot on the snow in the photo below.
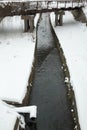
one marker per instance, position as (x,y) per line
(7,117)
(16,58)
(73,39)
(28,109)
(66,80)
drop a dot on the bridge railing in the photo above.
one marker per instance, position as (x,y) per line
(59,4)
(28,7)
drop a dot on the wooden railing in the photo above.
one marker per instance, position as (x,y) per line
(31,7)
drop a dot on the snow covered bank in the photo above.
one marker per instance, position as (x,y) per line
(28,109)
(73,39)
(16,58)
(8,117)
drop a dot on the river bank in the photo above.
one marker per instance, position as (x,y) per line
(72,37)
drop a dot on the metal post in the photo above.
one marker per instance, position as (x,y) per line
(37,5)
(57,4)
(65,4)
(56,19)
(47,5)
(72,4)
(60,19)
(31,19)
(26,25)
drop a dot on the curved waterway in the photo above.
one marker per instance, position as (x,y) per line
(49,91)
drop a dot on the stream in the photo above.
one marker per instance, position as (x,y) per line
(49,91)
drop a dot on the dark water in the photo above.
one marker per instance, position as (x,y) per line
(49,91)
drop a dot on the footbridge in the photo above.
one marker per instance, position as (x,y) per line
(28,8)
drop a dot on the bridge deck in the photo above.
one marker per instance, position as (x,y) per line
(8,8)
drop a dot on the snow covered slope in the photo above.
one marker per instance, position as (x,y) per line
(7,117)
(16,58)
(73,39)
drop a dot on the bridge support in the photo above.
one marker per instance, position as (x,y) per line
(59,18)
(28,22)
(79,15)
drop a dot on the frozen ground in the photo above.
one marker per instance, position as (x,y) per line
(73,39)
(16,58)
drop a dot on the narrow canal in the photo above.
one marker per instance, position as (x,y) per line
(49,90)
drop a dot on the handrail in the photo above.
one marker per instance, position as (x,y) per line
(8,8)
